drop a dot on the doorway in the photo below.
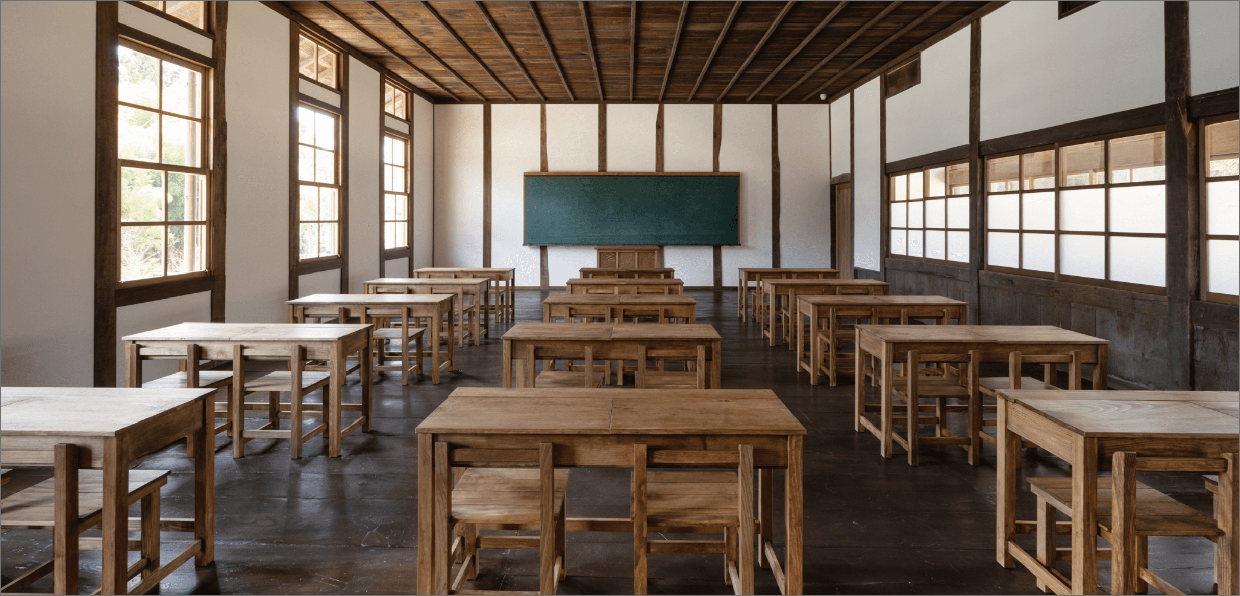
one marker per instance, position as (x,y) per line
(842,242)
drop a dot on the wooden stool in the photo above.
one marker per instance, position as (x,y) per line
(402,334)
(670,379)
(71,502)
(917,385)
(297,382)
(695,502)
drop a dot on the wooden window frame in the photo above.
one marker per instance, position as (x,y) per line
(1067,9)
(397,251)
(1057,233)
(894,90)
(891,202)
(387,82)
(204,151)
(337,155)
(207,29)
(321,44)
(1205,235)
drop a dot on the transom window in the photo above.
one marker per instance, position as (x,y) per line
(1092,210)
(395,192)
(194,13)
(316,62)
(163,178)
(318,170)
(1222,211)
(930,214)
(395,101)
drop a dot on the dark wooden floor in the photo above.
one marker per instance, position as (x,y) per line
(347,525)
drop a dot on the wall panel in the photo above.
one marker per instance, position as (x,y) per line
(423,182)
(572,146)
(840,127)
(194,308)
(934,114)
(631,137)
(458,185)
(746,148)
(514,151)
(365,188)
(1214,50)
(804,186)
(688,146)
(867,178)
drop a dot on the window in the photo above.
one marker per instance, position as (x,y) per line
(194,13)
(394,101)
(161,153)
(1222,211)
(930,214)
(395,192)
(904,76)
(318,169)
(1092,210)
(316,62)
(1069,8)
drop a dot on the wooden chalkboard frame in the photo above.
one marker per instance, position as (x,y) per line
(605,174)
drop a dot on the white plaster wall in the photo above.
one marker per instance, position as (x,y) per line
(323,282)
(840,129)
(458,185)
(423,182)
(396,268)
(1213,46)
(804,186)
(139,19)
(746,148)
(365,190)
(1040,71)
(258,164)
(867,178)
(630,137)
(194,308)
(688,146)
(572,146)
(319,92)
(514,151)
(47,210)
(934,114)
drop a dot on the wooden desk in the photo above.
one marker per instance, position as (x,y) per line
(612,342)
(628,272)
(1085,428)
(628,256)
(115,427)
(779,297)
(625,286)
(322,342)
(477,288)
(388,306)
(598,428)
(889,344)
(826,314)
(757,274)
(504,278)
(558,307)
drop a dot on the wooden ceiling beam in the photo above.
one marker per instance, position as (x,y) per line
(736,7)
(542,31)
(421,46)
(585,24)
(870,54)
(866,27)
(386,48)
(671,57)
(448,29)
(761,42)
(632,47)
(797,50)
(507,47)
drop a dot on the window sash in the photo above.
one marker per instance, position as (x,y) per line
(945,228)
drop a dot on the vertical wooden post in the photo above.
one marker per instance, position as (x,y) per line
(658,140)
(1183,256)
(717,136)
(544,274)
(343,249)
(602,137)
(486,185)
(294,204)
(219,163)
(884,213)
(972,291)
(775,256)
(107,224)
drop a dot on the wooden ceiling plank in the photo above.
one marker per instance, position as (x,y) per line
(797,50)
(736,7)
(840,48)
(671,57)
(354,24)
(870,54)
(585,24)
(757,48)
(632,46)
(421,46)
(468,50)
(542,31)
(507,47)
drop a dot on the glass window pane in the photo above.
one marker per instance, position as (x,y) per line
(309,201)
(324,131)
(958,179)
(387,178)
(193,13)
(138,78)
(958,212)
(915,214)
(1224,266)
(1139,260)
(1003,249)
(1039,252)
(398,152)
(1137,159)
(327,239)
(398,179)
(305,57)
(1002,173)
(937,182)
(936,244)
(309,240)
(324,166)
(1039,170)
(182,90)
(305,126)
(387,98)
(1223,209)
(402,204)
(389,207)
(1139,209)
(187,197)
(327,204)
(182,142)
(936,216)
(1002,212)
(915,248)
(186,249)
(142,252)
(389,235)
(401,239)
(1038,210)
(1222,148)
(916,186)
(387,149)
(898,238)
(305,163)
(138,135)
(327,67)
(1081,165)
(1083,256)
(1082,210)
(958,246)
(399,105)
(899,215)
(142,195)
(899,188)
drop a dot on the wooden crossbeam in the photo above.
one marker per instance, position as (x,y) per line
(508,48)
(761,42)
(671,57)
(542,31)
(736,7)
(632,47)
(585,24)
(421,46)
(797,50)
(840,48)
(448,29)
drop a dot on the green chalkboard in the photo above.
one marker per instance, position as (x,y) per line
(632,208)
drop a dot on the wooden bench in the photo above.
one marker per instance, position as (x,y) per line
(296,381)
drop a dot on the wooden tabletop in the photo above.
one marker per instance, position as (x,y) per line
(820,282)
(626,281)
(87,411)
(663,270)
(371,299)
(466,269)
(610,331)
(788,270)
(1151,414)
(636,331)
(869,300)
(248,332)
(623,299)
(1026,334)
(433,281)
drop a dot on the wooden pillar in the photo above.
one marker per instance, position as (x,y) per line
(775,256)
(486,185)
(717,250)
(219,162)
(544,274)
(976,165)
(884,213)
(107,215)
(1183,240)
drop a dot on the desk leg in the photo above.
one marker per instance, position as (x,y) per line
(452,337)
(716,371)
(486,311)
(766,514)
(479,313)
(506,360)
(115,516)
(858,388)
(434,339)
(1228,546)
(204,483)
(740,295)
(794,516)
(888,399)
(800,338)
(770,316)
(1007,444)
(1084,515)
(334,399)
(426,511)
(363,357)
